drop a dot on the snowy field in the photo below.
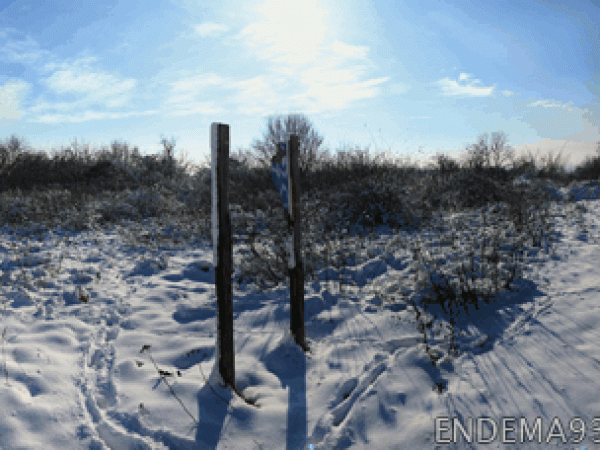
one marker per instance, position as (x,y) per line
(107,344)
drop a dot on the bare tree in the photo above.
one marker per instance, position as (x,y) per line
(478,156)
(10,150)
(493,154)
(279,130)
(500,151)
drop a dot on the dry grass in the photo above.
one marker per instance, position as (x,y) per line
(341,197)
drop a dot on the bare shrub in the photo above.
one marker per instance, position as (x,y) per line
(484,153)
(27,171)
(279,130)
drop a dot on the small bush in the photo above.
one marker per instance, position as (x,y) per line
(27,171)
(588,170)
(468,188)
(552,168)
(370,204)
(445,165)
(525,165)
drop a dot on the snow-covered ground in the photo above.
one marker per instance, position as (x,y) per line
(88,320)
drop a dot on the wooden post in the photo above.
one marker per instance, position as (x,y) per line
(296,270)
(222,251)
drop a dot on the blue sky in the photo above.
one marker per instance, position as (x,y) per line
(432,76)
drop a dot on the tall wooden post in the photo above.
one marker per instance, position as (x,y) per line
(222,250)
(296,270)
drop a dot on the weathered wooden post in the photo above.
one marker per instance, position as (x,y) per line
(286,178)
(296,269)
(222,250)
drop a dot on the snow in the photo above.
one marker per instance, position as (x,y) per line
(88,317)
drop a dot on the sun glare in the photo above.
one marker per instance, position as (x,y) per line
(293,29)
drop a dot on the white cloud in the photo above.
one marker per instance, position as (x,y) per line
(184,92)
(321,72)
(43,105)
(11,96)
(290,32)
(209,28)
(183,98)
(256,89)
(553,104)
(95,85)
(22,50)
(328,86)
(398,88)
(191,85)
(546,104)
(305,63)
(77,79)
(89,115)
(508,93)
(255,110)
(349,51)
(453,88)
(204,108)
(87,85)
(329,75)
(82,62)
(337,96)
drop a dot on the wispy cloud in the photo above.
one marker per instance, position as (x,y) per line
(11,97)
(24,50)
(210,29)
(553,104)
(398,88)
(478,38)
(349,51)
(256,88)
(185,91)
(337,96)
(203,108)
(255,110)
(78,79)
(196,83)
(89,115)
(43,105)
(95,86)
(452,87)
(508,93)
(306,67)
(185,95)
(325,72)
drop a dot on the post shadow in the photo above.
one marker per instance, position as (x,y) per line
(297,422)
(212,412)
